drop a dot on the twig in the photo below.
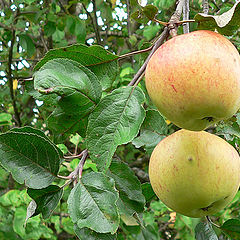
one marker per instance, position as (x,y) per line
(186,16)
(10,77)
(211,222)
(128,19)
(43,41)
(157,44)
(160,22)
(135,52)
(108,33)
(77,172)
(205,6)
(97,33)
(175,18)
(19,60)
(73,156)
(96,24)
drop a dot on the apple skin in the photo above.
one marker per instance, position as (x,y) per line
(194,79)
(194,173)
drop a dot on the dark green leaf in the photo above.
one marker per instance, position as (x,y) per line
(153,130)
(232,228)
(86,233)
(37,132)
(46,199)
(131,199)
(226,23)
(92,203)
(31,159)
(96,58)
(204,231)
(150,11)
(148,192)
(65,124)
(50,28)
(139,17)
(115,121)
(27,44)
(78,87)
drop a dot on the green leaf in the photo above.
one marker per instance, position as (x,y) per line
(96,58)
(153,130)
(204,231)
(27,44)
(92,203)
(139,17)
(150,11)
(46,199)
(148,192)
(18,222)
(39,133)
(65,124)
(115,121)
(49,28)
(86,233)
(13,198)
(32,159)
(131,199)
(47,99)
(226,23)
(150,32)
(78,87)
(228,131)
(145,14)
(5,119)
(232,228)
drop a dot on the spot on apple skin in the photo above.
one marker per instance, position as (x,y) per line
(207,208)
(190,159)
(209,119)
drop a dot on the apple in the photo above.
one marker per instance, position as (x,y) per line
(194,79)
(194,173)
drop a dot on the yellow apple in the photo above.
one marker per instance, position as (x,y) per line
(195,173)
(194,79)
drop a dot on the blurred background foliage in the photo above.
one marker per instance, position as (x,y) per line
(28,30)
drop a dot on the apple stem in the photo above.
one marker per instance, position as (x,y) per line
(211,222)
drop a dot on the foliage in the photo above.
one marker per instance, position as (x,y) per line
(65,70)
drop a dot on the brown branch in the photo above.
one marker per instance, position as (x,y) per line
(157,44)
(6,27)
(186,16)
(135,52)
(43,41)
(205,6)
(19,60)
(96,24)
(175,18)
(10,78)
(108,33)
(92,20)
(77,172)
